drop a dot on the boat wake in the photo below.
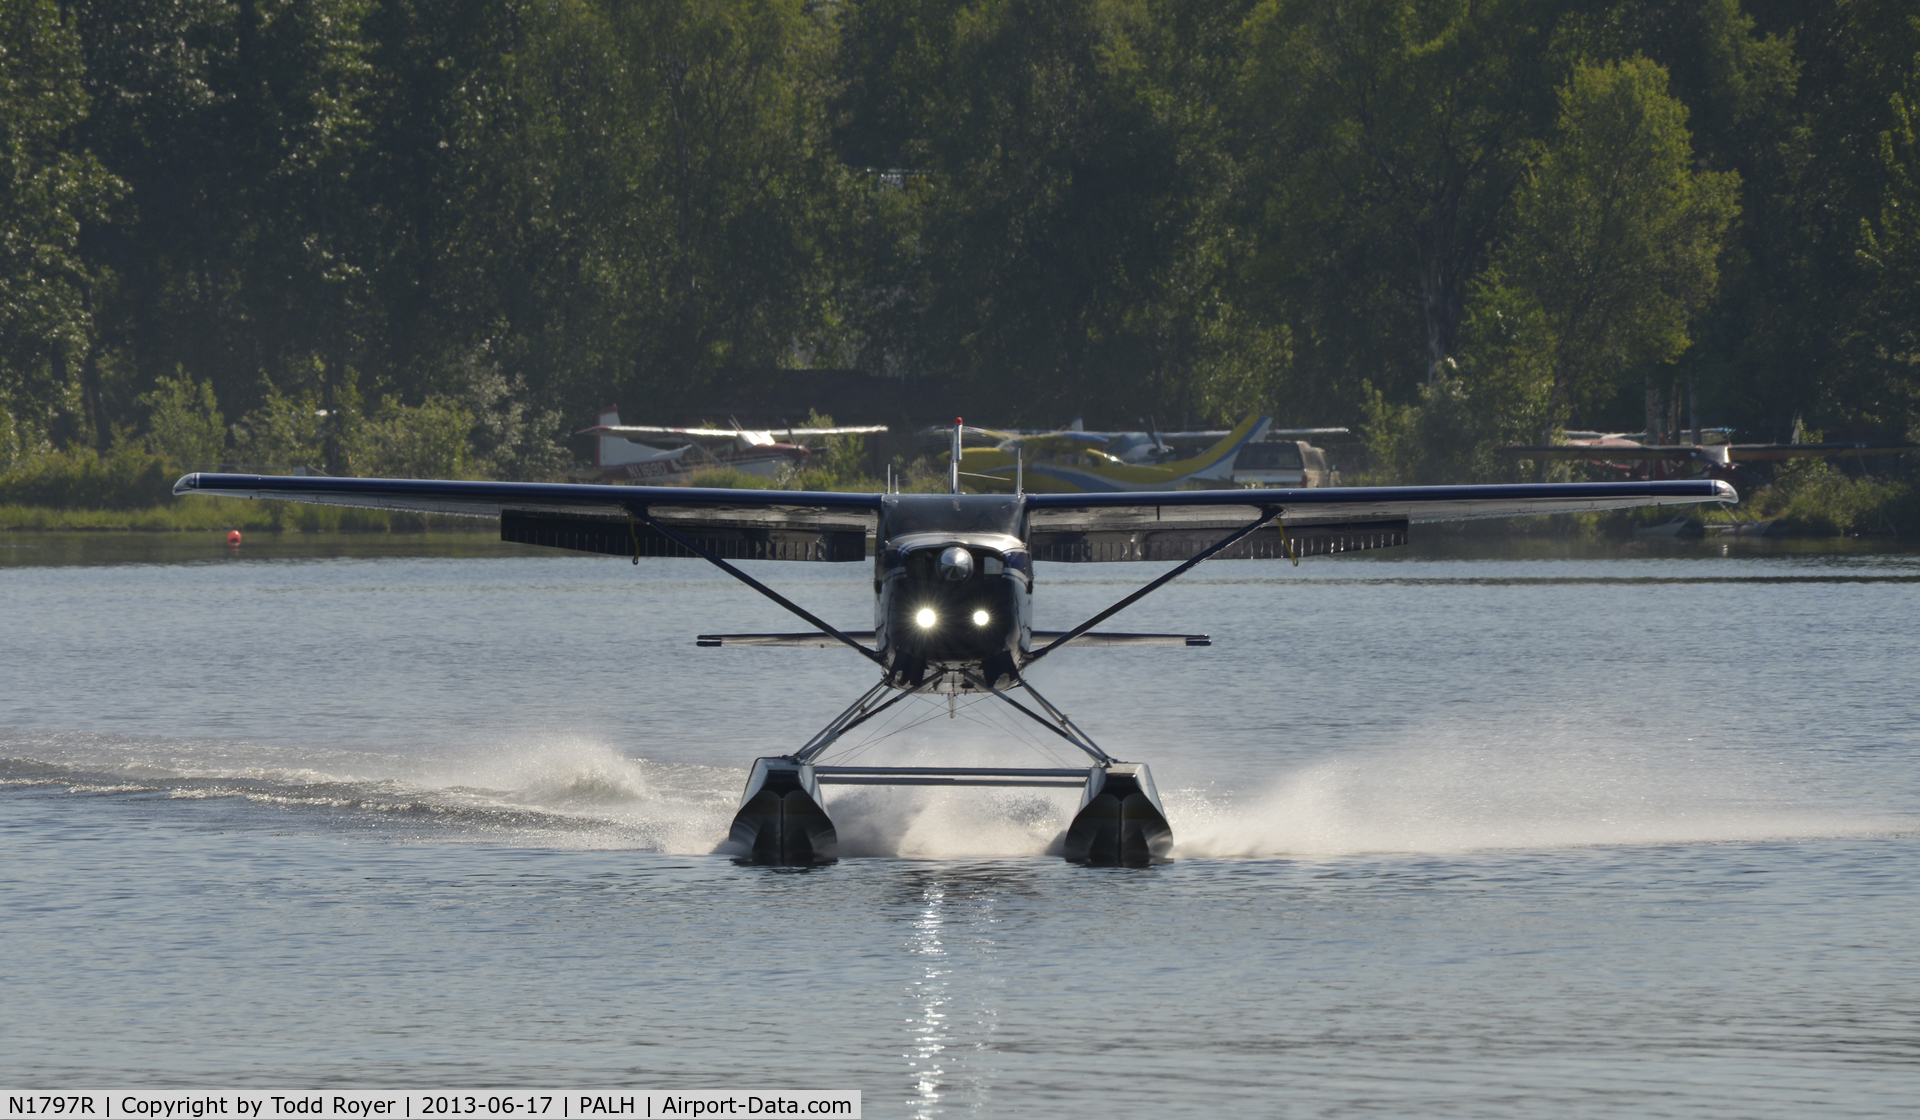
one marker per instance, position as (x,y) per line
(1454,796)
(560,792)
(1442,797)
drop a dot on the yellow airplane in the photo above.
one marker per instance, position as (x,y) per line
(1073,463)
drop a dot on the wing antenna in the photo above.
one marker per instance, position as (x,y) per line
(953,475)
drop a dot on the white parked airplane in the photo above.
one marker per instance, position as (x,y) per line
(638,452)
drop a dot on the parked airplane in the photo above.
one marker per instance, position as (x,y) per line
(1283,458)
(1077,462)
(633,452)
(953,580)
(1622,448)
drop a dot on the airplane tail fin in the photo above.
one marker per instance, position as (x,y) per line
(608,417)
(1216,463)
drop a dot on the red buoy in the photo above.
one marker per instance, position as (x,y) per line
(233,536)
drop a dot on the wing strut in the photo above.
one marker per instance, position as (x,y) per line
(1267,514)
(643,514)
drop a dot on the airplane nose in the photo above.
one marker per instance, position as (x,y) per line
(956,565)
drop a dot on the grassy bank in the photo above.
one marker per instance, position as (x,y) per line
(129,489)
(221,514)
(1812,498)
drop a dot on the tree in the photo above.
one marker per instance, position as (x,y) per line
(242,255)
(1785,327)
(1067,185)
(1615,239)
(1889,322)
(1390,135)
(184,424)
(641,198)
(47,190)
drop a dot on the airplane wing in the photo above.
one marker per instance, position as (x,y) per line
(637,431)
(734,524)
(1217,433)
(858,429)
(1620,452)
(758,437)
(1720,453)
(1055,441)
(1175,526)
(814,639)
(811,525)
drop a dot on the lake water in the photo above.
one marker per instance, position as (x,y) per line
(1494,830)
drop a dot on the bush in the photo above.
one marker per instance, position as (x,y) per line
(184,422)
(428,440)
(284,432)
(1815,499)
(1449,434)
(128,477)
(837,463)
(726,478)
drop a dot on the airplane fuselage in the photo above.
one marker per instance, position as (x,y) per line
(953,590)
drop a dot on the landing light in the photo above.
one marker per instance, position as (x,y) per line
(979,618)
(925,618)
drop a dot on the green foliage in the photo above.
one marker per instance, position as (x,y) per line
(837,462)
(726,478)
(428,440)
(1815,499)
(428,236)
(1397,132)
(1066,222)
(511,438)
(184,424)
(1447,434)
(47,190)
(839,456)
(1890,250)
(1614,243)
(218,515)
(282,433)
(640,195)
(243,255)
(128,477)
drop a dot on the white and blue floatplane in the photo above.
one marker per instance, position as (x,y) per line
(953,597)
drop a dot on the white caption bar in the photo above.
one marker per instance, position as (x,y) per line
(368,1104)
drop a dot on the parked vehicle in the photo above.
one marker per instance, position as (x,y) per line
(1283,463)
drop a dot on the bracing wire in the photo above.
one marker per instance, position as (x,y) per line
(1016,733)
(884,732)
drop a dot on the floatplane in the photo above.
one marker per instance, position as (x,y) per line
(1073,461)
(1077,459)
(650,453)
(953,581)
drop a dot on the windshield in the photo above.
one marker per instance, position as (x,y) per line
(951,513)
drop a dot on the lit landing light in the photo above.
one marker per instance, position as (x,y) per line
(979,618)
(925,618)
